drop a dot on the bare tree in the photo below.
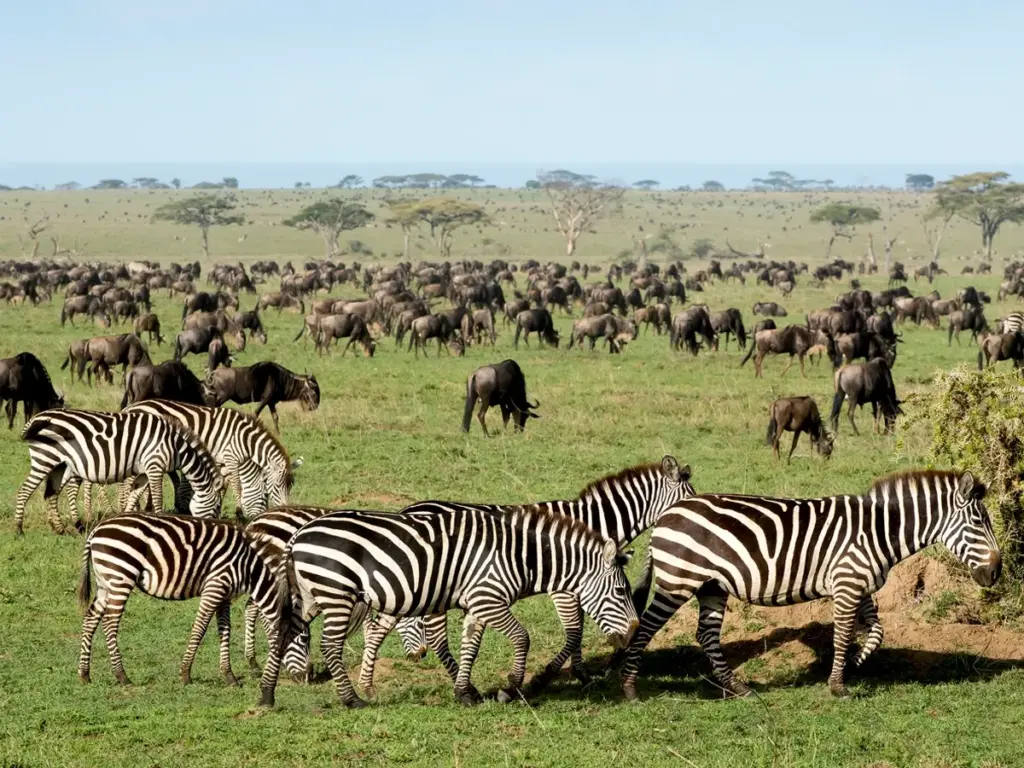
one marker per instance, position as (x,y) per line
(887,244)
(577,202)
(34,231)
(934,227)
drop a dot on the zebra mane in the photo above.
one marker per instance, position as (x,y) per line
(274,439)
(193,441)
(536,513)
(913,477)
(630,473)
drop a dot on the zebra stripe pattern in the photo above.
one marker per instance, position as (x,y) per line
(1012,323)
(418,564)
(619,507)
(254,462)
(273,529)
(67,447)
(782,551)
(177,558)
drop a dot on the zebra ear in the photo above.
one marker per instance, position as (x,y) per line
(671,468)
(297,463)
(610,551)
(965,485)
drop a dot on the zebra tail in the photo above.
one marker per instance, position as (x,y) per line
(773,429)
(85,580)
(643,586)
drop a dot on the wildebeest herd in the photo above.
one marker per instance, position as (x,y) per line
(407,570)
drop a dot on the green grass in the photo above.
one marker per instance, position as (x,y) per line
(388,433)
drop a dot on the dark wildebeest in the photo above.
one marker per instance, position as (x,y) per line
(794,340)
(769,308)
(265,383)
(882,325)
(170,380)
(968,319)
(106,352)
(596,308)
(1001,346)
(250,321)
(24,379)
(81,305)
(218,354)
(729,322)
(228,326)
(796,415)
(687,326)
(863,383)
(865,344)
(430,327)
(504,385)
(352,327)
(196,341)
(536,321)
(607,326)
(150,324)
(483,326)
(76,353)
(513,308)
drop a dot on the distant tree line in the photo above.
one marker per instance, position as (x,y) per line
(422,181)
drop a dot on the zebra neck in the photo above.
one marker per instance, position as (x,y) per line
(899,526)
(551,552)
(617,517)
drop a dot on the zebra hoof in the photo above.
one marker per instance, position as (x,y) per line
(186,678)
(370,691)
(739,689)
(355,703)
(267,697)
(122,679)
(629,691)
(254,666)
(84,678)
(508,695)
(839,690)
(230,679)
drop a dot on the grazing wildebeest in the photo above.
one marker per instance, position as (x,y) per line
(1001,346)
(607,326)
(483,326)
(149,323)
(769,309)
(866,344)
(76,353)
(512,310)
(794,340)
(265,383)
(24,379)
(430,327)
(81,305)
(250,321)
(196,341)
(536,321)
(648,316)
(228,326)
(504,385)
(729,322)
(170,380)
(596,308)
(882,325)
(688,325)
(352,327)
(918,309)
(797,415)
(280,301)
(967,319)
(106,352)
(863,383)
(218,354)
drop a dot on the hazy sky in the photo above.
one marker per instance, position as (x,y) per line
(876,81)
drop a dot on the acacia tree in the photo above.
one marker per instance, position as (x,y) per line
(987,199)
(442,215)
(329,218)
(844,218)
(203,211)
(577,202)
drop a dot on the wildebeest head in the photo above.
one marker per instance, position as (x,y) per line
(310,395)
(824,444)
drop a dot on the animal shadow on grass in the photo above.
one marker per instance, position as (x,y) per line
(685,670)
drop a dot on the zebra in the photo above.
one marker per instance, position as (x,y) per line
(177,558)
(619,506)
(421,564)
(783,551)
(273,529)
(254,462)
(1012,323)
(67,447)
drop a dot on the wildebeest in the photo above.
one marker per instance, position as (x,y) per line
(1001,346)
(794,340)
(797,415)
(106,352)
(658,315)
(607,326)
(266,383)
(228,326)
(195,341)
(688,325)
(769,308)
(863,383)
(729,322)
(501,384)
(866,344)
(764,325)
(536,321)
(882,325)
(430,327)
(352,327)
(81,305)
(250,321)
(150,324)
(967,319)
(483,326)
(280,301)
(170,380)
(24,379)
(218,354)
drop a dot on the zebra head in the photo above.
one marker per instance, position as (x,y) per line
(207,496)
(414,637)
(968,531)
(605,595)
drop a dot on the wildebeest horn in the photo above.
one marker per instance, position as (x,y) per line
(533,405)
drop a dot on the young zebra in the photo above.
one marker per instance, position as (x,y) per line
(783,551)
(425,564)
(273,529)
(67,447)
(619,506)
(254,462)
(178,558)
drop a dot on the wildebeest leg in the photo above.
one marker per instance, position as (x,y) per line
(803,373)
(853,406)
(485,403)
(273,413)
(796,437)
(758,362)
(12,410)
(505,413)
(789,365)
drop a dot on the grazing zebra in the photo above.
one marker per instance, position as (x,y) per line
(254,462)
(1012,323)
(177,558)
(425,564)
(619,506)
(67,447)
(784,551)
(273,529)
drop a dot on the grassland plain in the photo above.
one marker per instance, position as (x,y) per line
(388,433)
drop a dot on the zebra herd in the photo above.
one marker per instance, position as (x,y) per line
(409,569)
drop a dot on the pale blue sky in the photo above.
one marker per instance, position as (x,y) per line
(872,81)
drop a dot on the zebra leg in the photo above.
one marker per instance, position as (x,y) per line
(502,620)
(867,612)
(155,478)
(210,600)
(35,478)
(90,624)
(375,629)
(567,605)
(435,628)
(472,635)
(224,630)
(111,619)
(662,608)
(844,619)
(712,599)
(252,612)
(337,617)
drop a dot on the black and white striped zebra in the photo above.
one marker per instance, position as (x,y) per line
(1012,323)
(177,558)
(67,447)
(254,462)
(421,564)
(782,551)
(619,506)
(273,529)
